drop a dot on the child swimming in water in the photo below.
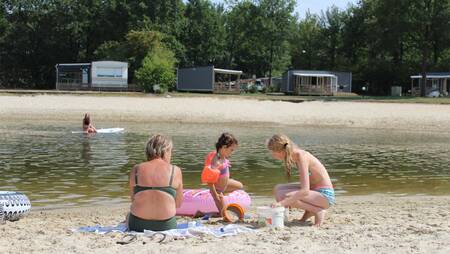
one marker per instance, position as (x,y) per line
(218,164)
(315,192)
(87,124)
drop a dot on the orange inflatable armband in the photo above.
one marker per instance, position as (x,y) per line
(210,175)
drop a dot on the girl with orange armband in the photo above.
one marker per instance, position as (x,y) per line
(216,172)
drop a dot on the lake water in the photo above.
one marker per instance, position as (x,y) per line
(56,168)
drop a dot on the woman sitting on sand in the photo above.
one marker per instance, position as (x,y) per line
(156,188)
(315,192)
(87,124)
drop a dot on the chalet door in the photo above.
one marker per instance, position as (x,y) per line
(85,76)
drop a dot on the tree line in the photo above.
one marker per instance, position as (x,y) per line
(382,42)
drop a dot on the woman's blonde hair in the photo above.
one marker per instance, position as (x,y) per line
(157,146)
(281,143)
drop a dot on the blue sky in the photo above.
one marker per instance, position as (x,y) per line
(315,6)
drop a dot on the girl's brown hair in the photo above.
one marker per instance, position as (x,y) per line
(227,140)
(281,143)
(157,146)
(87,119)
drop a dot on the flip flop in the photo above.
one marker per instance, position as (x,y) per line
(162,237)
(127,239)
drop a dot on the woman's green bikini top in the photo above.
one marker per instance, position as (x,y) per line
(167,189)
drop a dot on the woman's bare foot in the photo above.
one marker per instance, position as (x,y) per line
(319,217)
(306,216)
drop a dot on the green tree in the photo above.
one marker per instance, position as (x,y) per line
(431,21)
(277,19)
(165,16)
(306,44)
(257,36)
(3,22)
(387,26)
(136,46)
(204,34)
(381,41)
(245,45)
(157,69)
(44,33)
(354,35)
(3,32)
(29,43)
(332,23)
(150,61)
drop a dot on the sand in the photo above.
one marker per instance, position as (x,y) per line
(227,110)
(357,224)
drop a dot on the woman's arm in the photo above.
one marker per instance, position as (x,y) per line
(179,197)
(93,128)
(132,183)
(303,165)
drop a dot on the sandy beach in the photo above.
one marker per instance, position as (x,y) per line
(227,110)
(357,224)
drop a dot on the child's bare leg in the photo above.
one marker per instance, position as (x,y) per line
(233,185)
(310,211)
(306,206)
(314,204)
(317,199)
(319,218)
(280,191)
(306,216)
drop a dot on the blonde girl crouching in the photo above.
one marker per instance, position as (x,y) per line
(314,193)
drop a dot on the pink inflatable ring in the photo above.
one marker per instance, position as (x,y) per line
(200,200)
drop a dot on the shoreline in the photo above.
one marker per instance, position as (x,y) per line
(343,97)
(257,199)
(413,224)
(227,110)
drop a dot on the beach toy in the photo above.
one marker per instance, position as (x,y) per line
(233,213)
(271,216)
(264,214)
(278,217)
(110,130)
(105,130)
(13,205)
(200,201)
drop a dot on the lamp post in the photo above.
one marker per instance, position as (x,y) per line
(365,89)
(304,56)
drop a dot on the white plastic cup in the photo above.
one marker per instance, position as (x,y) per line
(264,215)
(277,217)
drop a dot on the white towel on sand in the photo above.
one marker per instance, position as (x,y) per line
(184,230)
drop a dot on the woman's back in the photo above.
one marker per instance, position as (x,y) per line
(155,195)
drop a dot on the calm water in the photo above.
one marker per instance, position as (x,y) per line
(56,168)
